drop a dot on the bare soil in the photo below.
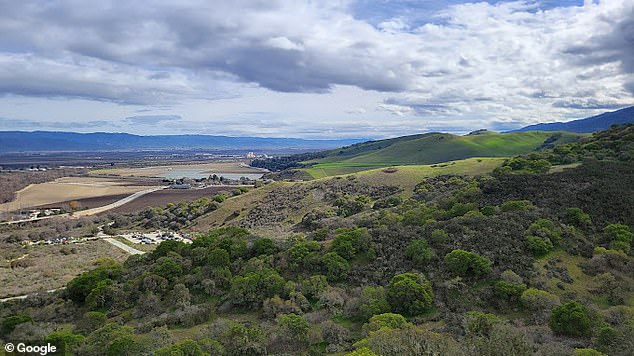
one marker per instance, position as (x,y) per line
(163,197)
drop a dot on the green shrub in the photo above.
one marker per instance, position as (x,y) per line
(372,302)
(335,266)
(187,347)
(419,252)
(349,243)
(480,324)
(81,286)
(65,341)
(466,263)
(263,246)
(570,319)
(293,327)
(509,290)
(386,320)
(577,217)
(218,258)
(516,205)
(439,236)
(10,322)
(409,294)
(539,246)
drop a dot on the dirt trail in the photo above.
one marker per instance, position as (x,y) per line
(126,248)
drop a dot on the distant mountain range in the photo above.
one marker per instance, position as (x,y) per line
(587,125)
(48,141)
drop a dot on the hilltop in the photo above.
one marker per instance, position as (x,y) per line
(421,149)
(587,125)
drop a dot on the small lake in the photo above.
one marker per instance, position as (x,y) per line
(196,173)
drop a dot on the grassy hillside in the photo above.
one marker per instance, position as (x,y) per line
(430,149)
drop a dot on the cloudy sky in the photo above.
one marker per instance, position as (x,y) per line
(313,69)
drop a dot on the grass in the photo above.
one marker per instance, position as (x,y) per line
(582,283)
(428,149)
(51,267)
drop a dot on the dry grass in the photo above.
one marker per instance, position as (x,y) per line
(69,188)
(206,168)
(50,267)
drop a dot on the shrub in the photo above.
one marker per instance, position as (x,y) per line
(314,285)
(439,236)
(516,205)
(186,347)
(509,290)
(419,252)
(351,242)
(80,287)
(577,217)
(254,287)
(409,294)
(263,246)
(335,266)
(241,340)
(480,324)
(65,341)
(538,245)
(9,323)
(373,301)
(293,327)
(570,319)
(218,258)
(465,263)
(386,320)
(539,302)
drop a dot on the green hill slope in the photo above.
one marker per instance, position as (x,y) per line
(432,148)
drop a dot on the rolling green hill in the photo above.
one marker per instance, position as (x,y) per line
(431,148)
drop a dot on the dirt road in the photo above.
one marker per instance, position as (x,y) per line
(126,248)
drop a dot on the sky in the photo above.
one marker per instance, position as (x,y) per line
(311,69)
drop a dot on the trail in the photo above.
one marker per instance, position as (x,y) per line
(18,297)
(126,248)
(118,203)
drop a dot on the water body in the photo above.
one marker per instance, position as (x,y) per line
(196,173)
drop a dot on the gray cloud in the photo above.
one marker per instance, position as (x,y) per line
(586,104)
(18,124)
(615,43)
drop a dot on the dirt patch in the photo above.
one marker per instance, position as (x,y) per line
(163,197)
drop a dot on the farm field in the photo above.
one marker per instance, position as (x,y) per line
(50,267)
(202,168)
(165,196)
(71,188)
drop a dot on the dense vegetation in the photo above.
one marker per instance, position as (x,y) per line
(517,263)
